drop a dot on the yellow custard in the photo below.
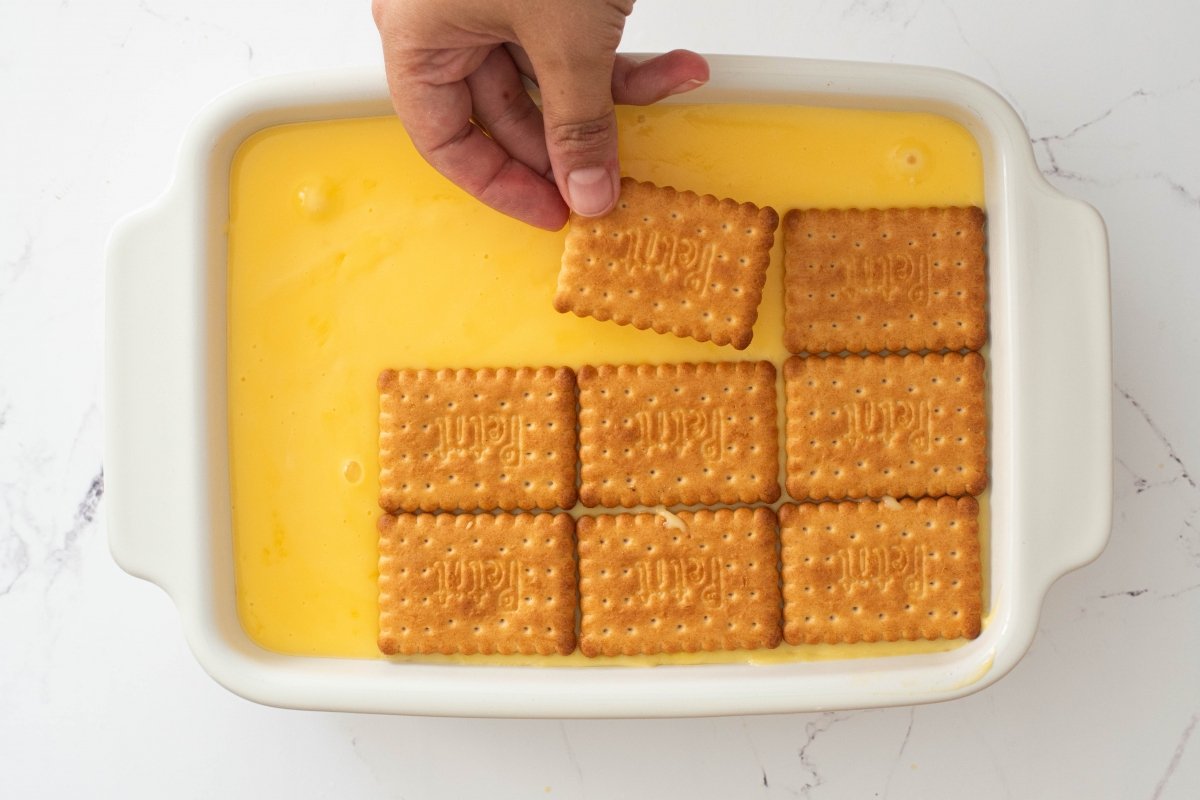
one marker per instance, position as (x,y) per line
(348,254)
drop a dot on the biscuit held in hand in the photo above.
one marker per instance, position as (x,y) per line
(675,262)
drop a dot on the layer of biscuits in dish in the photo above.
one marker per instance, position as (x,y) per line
(883,398)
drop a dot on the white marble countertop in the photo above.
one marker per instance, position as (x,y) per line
(99,695)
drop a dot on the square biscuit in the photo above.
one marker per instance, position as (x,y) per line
(675,262)
(673,434)
(477,439)
(896,425)
(871,572)
(884,279)
(661,583)
(466,583)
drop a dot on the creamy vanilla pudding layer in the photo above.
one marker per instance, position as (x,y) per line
(349,255)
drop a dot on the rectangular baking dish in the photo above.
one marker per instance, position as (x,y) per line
(167,473)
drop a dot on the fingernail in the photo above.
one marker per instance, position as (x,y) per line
(686,86)
(591,189)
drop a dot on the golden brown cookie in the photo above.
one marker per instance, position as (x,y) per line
(884,279)
(658,583)
(676,262)
(870,572)
(678,434)
(477,439)
(467,583)
(896,425)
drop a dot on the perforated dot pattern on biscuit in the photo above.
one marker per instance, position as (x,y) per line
(897,425)
(487,584)
(670,261)
(869,572)
(647,587)
(885,279)
(477,439)
(678,434)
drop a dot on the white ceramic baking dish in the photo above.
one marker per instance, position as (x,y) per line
(167,472)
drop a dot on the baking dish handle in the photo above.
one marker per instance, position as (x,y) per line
(1063,403)
(150,402)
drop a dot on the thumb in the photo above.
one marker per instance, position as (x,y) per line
(581,126)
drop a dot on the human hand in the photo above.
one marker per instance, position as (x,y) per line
(454,68)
